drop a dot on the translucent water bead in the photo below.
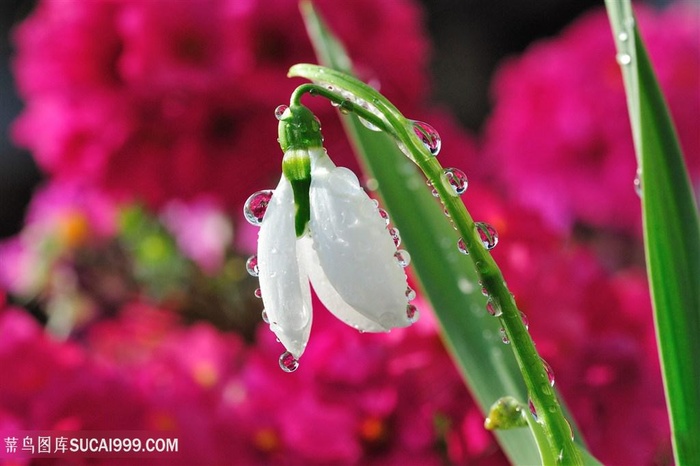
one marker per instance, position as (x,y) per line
(279,111)
(251,265)
(487,234)
(288,362)
(256,206)
(403,257)
(428,136)
(457,179)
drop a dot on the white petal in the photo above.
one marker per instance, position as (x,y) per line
(328,295)
(284,285)
(355,250)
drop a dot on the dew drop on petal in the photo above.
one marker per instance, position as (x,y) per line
(410,293)
(264,317)
(251,265)
(457,179)
(487,234)
(394,232)
(383,214)
(504,336)
(279,111)
(549,371)
(403,257)
(257,293)
(288,362)
(533,410)
(412,313)
(256,205)
(369,125)
(428,136)
(462,247)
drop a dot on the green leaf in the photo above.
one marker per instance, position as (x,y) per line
(447,277)
(671,235)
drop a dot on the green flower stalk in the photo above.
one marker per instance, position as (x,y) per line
(421,144)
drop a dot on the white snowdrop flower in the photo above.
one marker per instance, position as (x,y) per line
(321,228)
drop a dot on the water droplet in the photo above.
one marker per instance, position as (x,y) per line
(446,212)
(279,111)
(251,265)
(345,107)
(433,191)
(257,293)
(571,430)
(410,293)
(623,59)
(623,36)
(487,234)
(504,336)
(383,214)
(375,202)
(457,179)
(638,183)
(403,257)
(369,125)
(394,232)
(412,313)
(462,247)
(288,362)
(264,317)
(549,371)
(428,136)
(533,410)
(526,322)
(484,291)
(256,205)
(493,308)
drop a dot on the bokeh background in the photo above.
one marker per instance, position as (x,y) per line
(133,131)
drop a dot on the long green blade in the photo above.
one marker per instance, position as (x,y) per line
(671,236)
(446,276)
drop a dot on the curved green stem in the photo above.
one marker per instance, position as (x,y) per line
(369,104)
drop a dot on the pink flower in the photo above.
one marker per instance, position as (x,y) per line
(160,101)
(202,231)
(559,136)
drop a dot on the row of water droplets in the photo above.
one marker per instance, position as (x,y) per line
(625,49)
(254,211)
(487,234)
(403,258)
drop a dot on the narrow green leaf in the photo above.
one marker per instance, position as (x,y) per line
(671,237)
(446,276)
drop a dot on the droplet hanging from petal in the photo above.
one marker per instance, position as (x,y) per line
(288,362)
(549,371)
(412,313)
(487,234)
(251,265)
(256,206)
(394,232)
(403,257)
